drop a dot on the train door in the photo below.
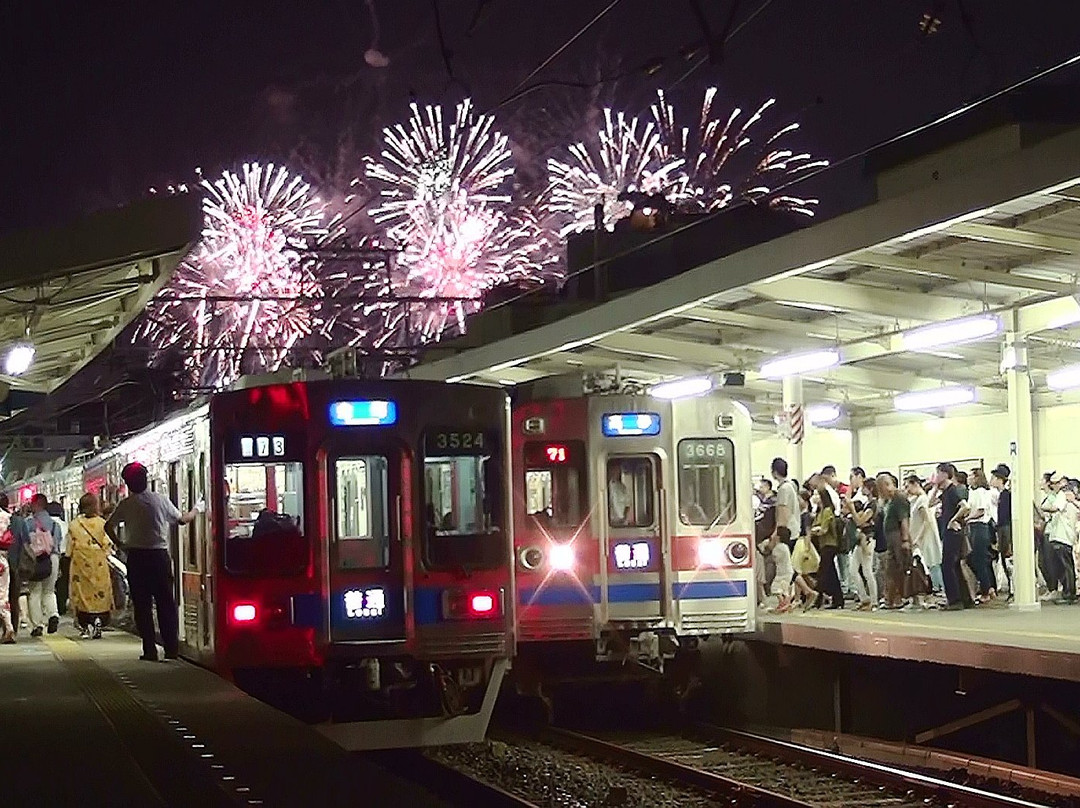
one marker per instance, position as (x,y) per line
(173,483)
(192,562)
(367,569)
(206,558)
(632,583)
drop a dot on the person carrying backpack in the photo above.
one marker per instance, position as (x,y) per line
(10,543)
(41,560)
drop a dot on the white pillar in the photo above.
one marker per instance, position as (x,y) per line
(1022,456)
(792,392)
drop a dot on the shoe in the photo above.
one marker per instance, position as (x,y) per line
(9,638)
(95,634)
(54,624)
(37,632)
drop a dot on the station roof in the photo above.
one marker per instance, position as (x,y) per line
(74,288)
(991,224)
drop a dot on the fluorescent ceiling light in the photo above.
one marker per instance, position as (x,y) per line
(818,414)
(1064,378)
(953,332)
(19,358)
(799,363)
(682,388)
(934,399)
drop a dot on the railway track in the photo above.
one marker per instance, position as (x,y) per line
(453,784)
(751,770)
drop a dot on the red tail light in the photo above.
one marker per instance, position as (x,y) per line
(482,603)
(461,604)
(244,613)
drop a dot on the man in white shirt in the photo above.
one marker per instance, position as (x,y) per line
(147,518)
(1061,532)
(788,511)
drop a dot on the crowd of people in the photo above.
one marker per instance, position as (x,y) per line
(48,566)
(883,543)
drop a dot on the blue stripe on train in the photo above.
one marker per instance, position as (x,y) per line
(573,595)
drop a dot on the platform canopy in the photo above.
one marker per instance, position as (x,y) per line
(989,225)
(70,290)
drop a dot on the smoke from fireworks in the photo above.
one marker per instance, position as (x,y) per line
(243,299)
(698,170)
(445,201)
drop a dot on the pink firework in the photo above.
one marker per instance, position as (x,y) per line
(244,299)
(444,198)
(700,169)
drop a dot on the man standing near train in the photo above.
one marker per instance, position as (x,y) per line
(147,517)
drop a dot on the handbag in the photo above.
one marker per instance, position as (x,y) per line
(118,578)
(42,568)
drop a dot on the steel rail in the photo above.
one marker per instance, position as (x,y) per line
(867,771)
(745,794)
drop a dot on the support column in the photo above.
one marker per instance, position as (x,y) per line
(792,392)
(1022,455)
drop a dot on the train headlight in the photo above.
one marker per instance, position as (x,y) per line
(561,557)
(710,553)
(531,557)
(738,552)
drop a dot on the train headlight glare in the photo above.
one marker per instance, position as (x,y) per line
(710,553)
(561,557)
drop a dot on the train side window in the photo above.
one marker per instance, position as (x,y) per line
(630,491)
(264,518)
(555,483)
(191,554)
(706,481)
(361,512)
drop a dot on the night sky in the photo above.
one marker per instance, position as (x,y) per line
(101,100)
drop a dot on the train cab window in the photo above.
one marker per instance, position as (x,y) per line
(706,482)
(463,490)
(630,491)
(555,483)
(264,518)
(361,518)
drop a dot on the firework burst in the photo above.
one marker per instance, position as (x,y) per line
(692,168)
(445,202)
(242,301)
(700,160)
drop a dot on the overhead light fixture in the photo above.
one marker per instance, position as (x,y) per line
(934,399)
(1064,378)
(19,358)
(954,332)
(682,388)
(818,414)
(799,363)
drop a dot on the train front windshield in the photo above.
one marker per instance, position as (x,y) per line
(264,518)
(463,493)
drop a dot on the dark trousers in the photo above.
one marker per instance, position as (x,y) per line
(829,578)
(980,561)
(14,590)
(1066,568)
(150,580)
(62,584)
(952,546)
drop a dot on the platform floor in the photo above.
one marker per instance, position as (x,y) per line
(85,723)
(1042,642)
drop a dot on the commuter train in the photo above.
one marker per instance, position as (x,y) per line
(356,540)
(633,532)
